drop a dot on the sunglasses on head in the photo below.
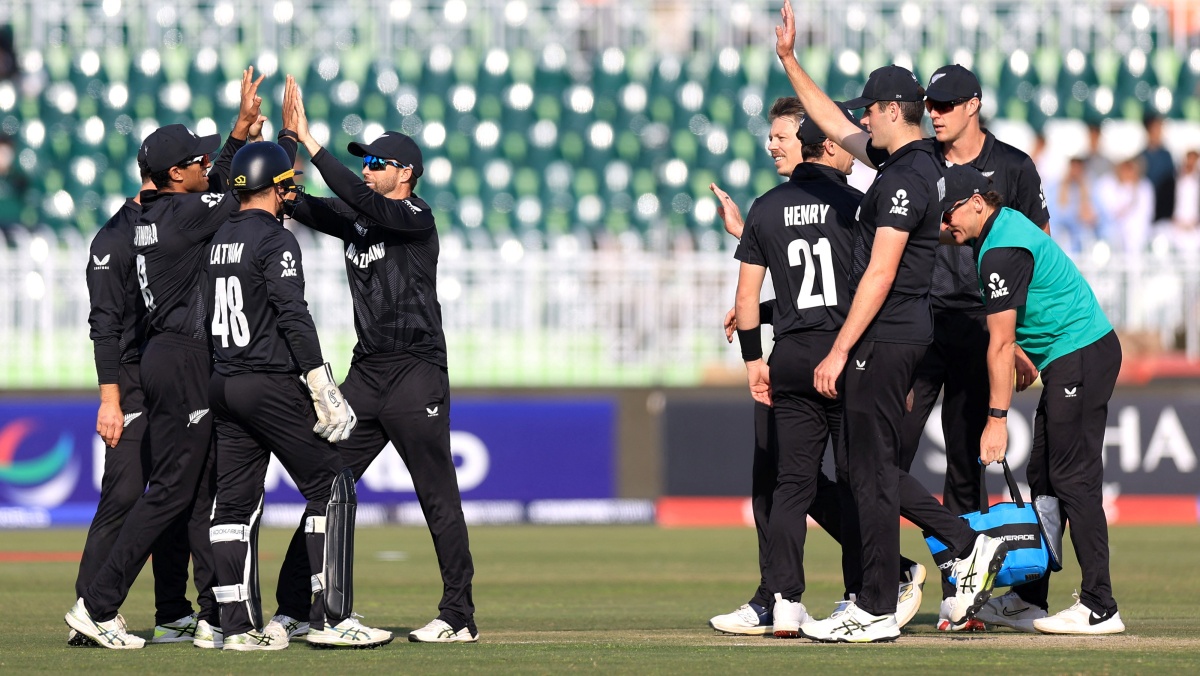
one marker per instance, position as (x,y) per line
(944,107)
(952,209)
(378,163)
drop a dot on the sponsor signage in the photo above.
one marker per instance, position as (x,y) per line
(1150,445)
(508,454)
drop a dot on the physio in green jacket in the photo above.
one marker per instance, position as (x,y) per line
(1040,308)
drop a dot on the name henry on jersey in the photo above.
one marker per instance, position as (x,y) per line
(223,254)
(805,214)
(364,259)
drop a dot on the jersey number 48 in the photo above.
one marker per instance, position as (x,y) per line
(228,317)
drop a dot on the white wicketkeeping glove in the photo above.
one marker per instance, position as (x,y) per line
(335,418)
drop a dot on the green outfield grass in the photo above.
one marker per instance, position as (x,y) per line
(615,599)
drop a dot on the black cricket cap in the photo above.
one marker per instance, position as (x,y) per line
(953,83)
(392,145)
(167,146)
(810,133)
(963,181)
(889,83)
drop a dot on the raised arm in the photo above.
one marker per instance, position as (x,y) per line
(817,105)
(408,215)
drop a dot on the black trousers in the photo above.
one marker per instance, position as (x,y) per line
(955,366)
(126,472)
(257,415)
(174,375)
(804,421)
(404,400)
(1067,461)
(877,379)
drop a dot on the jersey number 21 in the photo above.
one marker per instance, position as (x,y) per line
(802,254)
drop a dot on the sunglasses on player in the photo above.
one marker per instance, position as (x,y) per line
(952,209)
(378,163)
(943,107)
(202,160)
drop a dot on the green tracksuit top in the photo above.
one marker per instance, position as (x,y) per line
(1060,314)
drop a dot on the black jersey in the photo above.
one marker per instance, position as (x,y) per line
(1014,176)
(391,262)
(906,195)
(171,239)
(803,232)
(254,291)
(117,316)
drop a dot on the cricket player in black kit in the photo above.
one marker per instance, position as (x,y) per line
(795,143)
(117,320)
(397,380)
(170,240)
(956,363)
(802,232)
(887,329)
(267,364)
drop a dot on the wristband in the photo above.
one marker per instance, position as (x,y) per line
(288,133)
(751,343)
(998,412)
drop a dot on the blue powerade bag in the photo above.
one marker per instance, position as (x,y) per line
(1017,523)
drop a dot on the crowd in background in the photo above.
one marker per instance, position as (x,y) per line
(1127,204)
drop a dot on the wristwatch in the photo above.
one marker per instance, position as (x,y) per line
(998,412)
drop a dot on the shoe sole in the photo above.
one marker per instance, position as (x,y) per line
(761,630)
(989,582)
(350,646)
(82,632)
(176,639)
(233,647)
(413,639)
(82,640)
(883,639)
(1069,632)
(208,645)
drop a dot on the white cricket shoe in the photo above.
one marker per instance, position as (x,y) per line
(852,624)
(110,634)
(975,575)
(1010,611)
(439,631)
(253,640)
(78,640)
(349,633)
(908,599)
(207,636)
(287,627)
(750,619)
(944,623)
(183,629)
(789,615)
(1079,619)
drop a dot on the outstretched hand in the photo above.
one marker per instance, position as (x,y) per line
(295,119)
(251,105)
(728,210)
(785,35)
